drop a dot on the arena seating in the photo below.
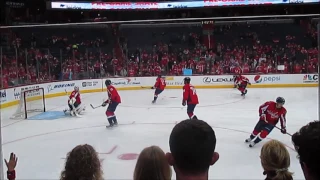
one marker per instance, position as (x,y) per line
(41,54)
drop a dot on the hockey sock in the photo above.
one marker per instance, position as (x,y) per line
(155,97)
(252,136)
(257,140)
(190,114)
(110,120)
(115,120)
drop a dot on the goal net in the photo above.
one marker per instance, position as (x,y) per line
(31,102)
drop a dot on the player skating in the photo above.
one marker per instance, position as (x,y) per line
(190,98)
(159,86)
(241,83)
(74,103)
(113,100)
(270,113)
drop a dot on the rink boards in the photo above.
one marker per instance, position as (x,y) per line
(11,96)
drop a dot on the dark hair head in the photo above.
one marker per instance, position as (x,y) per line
(152,165)
(192,144)
(307,144)
(82,164)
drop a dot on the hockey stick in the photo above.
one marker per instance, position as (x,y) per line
(95,107)
(280,130)
(144,87)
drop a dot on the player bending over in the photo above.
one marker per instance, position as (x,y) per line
(113,100)
(270,113)
(190,98)
(159,86)
(74,103)
(241,83)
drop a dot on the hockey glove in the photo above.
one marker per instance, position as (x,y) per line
(105,103)
(184,103)
(283,130)
(263,117)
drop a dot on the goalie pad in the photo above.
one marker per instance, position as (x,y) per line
(79,109)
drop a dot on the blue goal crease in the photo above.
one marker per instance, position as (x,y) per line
(49,115)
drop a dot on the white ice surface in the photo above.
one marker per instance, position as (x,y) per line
(41,145)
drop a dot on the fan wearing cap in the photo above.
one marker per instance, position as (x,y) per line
(270,114)
(190,98)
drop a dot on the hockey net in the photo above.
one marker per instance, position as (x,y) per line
(31,102)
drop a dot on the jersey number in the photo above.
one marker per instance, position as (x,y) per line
(163,82)
(193,90)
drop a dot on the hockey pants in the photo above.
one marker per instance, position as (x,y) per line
(263,128)
(158,91)
(242,88)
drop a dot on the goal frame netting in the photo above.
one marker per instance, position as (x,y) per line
(26,97)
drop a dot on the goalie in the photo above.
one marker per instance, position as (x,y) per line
(74,103)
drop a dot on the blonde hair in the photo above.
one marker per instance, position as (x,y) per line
(275,158)
(152,165)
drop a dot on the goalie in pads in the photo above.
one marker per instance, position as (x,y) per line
(74,103)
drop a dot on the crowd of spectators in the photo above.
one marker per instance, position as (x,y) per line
(192,153)
(208,47)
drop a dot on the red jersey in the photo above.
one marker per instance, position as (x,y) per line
(76,95)
(160,83)
(190,94)
(273,114)
(242,80)
(113,94)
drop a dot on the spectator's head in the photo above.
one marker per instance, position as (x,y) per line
(275,160)
(307,145)
(82,163)
(192,145)
(152,164)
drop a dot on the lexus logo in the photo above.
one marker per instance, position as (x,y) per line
(207,80)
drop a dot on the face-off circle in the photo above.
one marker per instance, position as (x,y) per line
(128,156)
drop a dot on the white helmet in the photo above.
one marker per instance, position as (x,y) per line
(76,88)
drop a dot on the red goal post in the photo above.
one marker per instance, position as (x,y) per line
(31,102)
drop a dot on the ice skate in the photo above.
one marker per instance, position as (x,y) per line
(110,126)
(248,140)
(252,144)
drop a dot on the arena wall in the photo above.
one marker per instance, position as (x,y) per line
(10,97)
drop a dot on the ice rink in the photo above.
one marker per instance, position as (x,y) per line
(42,145)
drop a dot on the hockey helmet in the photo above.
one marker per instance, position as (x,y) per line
(108,82)
(186,80)
(280,100)
(76,88)
(159,76)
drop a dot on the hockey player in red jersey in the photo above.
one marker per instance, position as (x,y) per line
(270,113)
(113,100)
(190,98)
(241,83)
(74,103)
(159,86)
